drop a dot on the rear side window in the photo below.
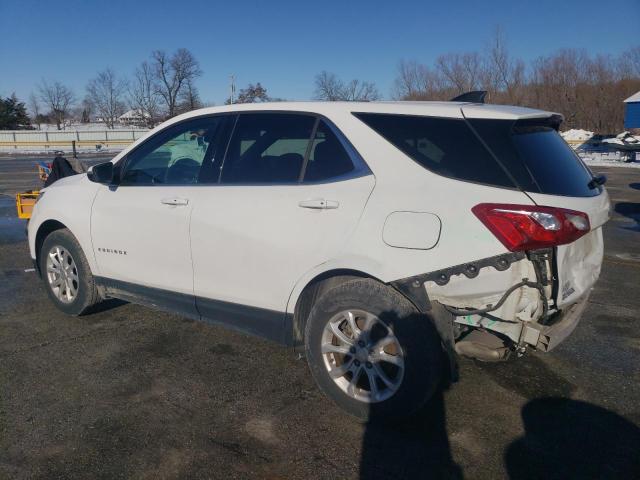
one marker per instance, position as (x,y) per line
(444,146)
(267,148)
(537,157)
(327,157)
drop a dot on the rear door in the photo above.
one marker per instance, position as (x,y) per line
(291,191)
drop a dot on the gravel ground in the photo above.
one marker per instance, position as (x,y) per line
(133,393)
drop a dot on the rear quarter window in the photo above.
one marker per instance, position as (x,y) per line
(537,156)
(445,146)
(554,166)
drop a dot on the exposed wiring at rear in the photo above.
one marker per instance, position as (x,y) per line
(538,258)
(524,283)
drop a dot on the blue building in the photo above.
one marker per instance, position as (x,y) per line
(632,112)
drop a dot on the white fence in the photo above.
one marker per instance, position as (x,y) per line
(88,140)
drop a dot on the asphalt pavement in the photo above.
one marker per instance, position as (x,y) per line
(133,393)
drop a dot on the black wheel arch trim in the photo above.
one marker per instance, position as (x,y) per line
(44,230)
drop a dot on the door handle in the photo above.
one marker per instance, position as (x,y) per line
(175,201)
(319,204)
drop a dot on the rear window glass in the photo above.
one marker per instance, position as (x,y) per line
(444,146)
(537,156)
(328,158)
(267,148)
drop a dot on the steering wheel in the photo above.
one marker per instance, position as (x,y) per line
(185,170)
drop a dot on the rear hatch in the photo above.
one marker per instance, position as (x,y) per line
(542,165)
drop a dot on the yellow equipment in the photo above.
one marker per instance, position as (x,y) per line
(25,202)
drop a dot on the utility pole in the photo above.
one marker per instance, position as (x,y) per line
(233,89)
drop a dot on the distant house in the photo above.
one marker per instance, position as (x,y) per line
(632,112)
(133,117)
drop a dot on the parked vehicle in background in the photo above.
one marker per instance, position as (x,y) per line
(378,238)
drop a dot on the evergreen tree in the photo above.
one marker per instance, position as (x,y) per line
(13,114)
(252,94)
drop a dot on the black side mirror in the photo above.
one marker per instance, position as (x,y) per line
(102,173)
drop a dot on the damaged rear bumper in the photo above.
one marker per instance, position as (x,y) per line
(513,297)
(548,337)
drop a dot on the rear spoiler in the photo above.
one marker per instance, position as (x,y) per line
(553,121)
(475,96)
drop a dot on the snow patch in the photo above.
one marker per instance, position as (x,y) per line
(576,134)
(84,127)
(605,160)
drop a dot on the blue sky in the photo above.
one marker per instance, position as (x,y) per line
(283,44)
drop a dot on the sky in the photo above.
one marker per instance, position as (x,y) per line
(284,44)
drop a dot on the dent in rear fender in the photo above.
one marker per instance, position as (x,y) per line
(578,266)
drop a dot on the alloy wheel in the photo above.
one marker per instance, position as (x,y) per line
(362,356)
(62,274)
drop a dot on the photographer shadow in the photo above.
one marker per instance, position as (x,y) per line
(417,447)
(571,439)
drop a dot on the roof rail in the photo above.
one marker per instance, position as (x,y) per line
(475,96)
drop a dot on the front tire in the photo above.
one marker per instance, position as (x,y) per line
(371,351)
(66,273)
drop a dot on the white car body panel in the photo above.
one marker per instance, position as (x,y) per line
(255,245)
(68,201)
(153,236)
(251,243)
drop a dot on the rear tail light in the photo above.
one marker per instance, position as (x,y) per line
(529,227)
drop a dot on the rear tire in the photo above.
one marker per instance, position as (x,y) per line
(371,351)
(66,274)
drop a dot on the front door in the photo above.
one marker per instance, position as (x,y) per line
(140,227)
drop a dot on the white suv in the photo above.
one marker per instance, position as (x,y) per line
(379,238)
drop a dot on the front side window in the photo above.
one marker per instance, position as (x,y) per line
(267,148)
(175,156)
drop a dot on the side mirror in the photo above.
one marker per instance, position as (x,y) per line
(102,173)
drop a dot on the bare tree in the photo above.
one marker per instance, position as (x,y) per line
(634,59)
(360,91)
(629,63)
(189,98)
(58,98)
(555,83)
(461,72)
(105,92)
(34,106)
(587,90)
(504,76)
(172,73)
(418,82)
(330,88)
(142,94)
